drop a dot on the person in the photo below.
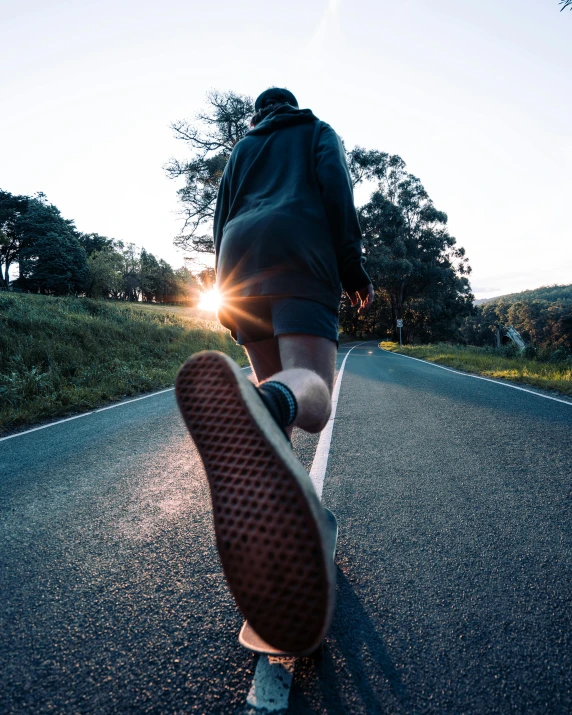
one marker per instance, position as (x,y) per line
(287,240)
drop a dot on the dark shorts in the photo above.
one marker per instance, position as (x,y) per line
(251,320)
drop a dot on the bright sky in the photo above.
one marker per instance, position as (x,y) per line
(475,96)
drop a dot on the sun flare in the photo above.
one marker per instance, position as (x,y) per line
(210,300)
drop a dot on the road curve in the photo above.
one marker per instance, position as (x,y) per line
(453,497)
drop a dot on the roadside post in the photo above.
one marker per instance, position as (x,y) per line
(400,325)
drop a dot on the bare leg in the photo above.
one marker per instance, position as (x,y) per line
(309,364)
(264,358)
(309,352)
(306,364)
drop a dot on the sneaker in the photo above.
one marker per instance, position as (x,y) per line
(271,530)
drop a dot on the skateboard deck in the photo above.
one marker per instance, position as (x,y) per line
(249,639)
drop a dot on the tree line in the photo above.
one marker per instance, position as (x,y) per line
(543,317)
(420,274)
(54,258)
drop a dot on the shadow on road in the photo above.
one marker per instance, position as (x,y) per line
(404,379)
(353,671)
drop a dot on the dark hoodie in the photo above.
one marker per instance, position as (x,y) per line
(285,221)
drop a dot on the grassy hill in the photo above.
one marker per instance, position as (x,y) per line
(60,356)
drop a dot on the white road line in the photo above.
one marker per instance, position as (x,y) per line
(320,463)
(479,377)
(86,414)
(270,687)
(93,412)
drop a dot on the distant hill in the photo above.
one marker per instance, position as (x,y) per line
(551,294)
(542,316)
(482,301)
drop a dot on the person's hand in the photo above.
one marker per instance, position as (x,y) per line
(363,297)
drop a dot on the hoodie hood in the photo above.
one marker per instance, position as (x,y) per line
(284,116)
(275,95)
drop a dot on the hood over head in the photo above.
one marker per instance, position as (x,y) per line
(274,95)
(283,116)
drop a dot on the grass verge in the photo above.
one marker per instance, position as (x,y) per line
(60,356)
(484,361)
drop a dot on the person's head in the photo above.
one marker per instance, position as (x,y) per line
(270,100)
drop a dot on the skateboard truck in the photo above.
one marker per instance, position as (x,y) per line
(251,640)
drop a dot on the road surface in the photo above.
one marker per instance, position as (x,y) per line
(453,497)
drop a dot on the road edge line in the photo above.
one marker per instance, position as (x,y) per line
(479,377)
(84,414)
(93,412)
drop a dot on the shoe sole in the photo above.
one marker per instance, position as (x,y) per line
(270,527)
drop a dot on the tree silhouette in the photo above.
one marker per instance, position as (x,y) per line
(51,259)
(11,209)
(565,4)
(211,138)
(420,271)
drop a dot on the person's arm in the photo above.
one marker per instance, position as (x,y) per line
(221,210)
(337,195)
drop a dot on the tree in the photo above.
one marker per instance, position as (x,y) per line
(11,209)
(371,165)
(149,276)
(168,288)
(410,254)
(206,278)
(93,242)
(211,138)
(544,323)
(130,266)
(187,287)
(565,4)
(175,286)
(51,259)
(160,283)
(104,274)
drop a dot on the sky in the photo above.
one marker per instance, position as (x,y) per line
(476,97)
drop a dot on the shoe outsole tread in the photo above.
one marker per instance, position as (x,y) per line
(269,523)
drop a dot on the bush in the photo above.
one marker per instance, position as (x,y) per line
(510,350)
(559,355)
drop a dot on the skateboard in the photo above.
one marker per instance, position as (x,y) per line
(249,639)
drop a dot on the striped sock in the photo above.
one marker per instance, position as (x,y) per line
(280,401)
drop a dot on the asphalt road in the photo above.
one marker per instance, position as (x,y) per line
(453,497)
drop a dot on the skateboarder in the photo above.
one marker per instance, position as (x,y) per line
(287,239)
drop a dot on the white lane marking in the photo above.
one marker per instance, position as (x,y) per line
(93,412)
(479,377)
(270,687)
(86,414)
(320,463)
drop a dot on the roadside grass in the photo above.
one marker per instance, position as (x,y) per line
(61,356)
(490,363)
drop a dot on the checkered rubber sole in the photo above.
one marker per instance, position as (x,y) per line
(270,526)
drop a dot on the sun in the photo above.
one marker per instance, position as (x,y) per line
(210,300)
